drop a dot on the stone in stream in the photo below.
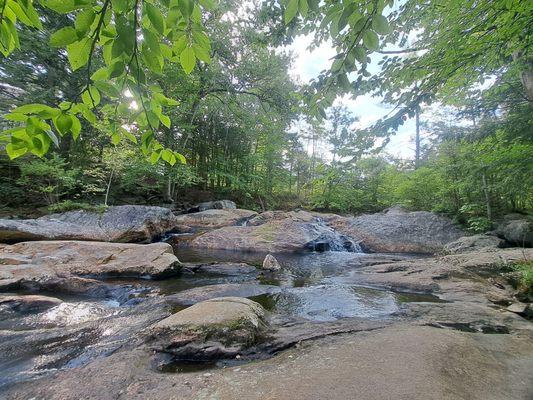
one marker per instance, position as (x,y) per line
(115,224)
(213,329)
(65,263)
(202,293)
(270,263)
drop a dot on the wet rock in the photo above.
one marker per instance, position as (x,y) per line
(13,303)
(273,236)
(473,243)
(42,263)
(212,329)
(517,229)
(202,293)
(398,231)
(215,218)
(270,263)
(115,224)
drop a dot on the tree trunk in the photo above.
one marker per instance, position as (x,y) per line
(417,139)
(487,196)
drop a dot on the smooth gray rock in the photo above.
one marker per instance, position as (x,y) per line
(399,231)
(212,329)
(517,229)
(217,205)
(116,224)
(270,263)
(473,243)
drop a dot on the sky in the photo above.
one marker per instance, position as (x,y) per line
(307,65)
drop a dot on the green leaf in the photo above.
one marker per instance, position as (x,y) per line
(303,7)
(181,158)
(75,129)
(63,37)
(165,120)
(371,40)
(381,25)
(79,52)
(115,138)
(154,157)
(188,59)
(120,5)
(14,151)
(66,6)
(100,74)
(291,11)
(116,69)
(63,123)
(33,109)
(84,21)
(107,88)
(155,17)
(360,54)
(201,53)
(186,7)
(167,155)
(91,97)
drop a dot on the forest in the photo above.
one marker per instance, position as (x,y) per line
(177,101)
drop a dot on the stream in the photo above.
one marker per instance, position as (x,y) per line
(311,287)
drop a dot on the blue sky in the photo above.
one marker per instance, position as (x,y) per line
(308,64)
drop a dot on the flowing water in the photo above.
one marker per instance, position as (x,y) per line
(316,287)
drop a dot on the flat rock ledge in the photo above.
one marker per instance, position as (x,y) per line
(213,329)
(116,224)
(68,264)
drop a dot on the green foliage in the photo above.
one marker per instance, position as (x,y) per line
(135,39)
(525,269)
(49,178)
(70,205)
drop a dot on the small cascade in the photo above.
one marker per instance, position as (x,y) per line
(334,241)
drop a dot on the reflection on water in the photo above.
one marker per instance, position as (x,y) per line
(315,286)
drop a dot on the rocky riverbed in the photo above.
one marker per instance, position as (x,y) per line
(199,317)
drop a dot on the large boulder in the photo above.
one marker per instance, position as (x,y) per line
(275,235)
(213,329)
(399,231)
(215,218)
(115,224)
(474,243)
(216,205)
(517,229)
(296,216)
(29,264)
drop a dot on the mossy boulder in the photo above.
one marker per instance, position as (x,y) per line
(218,328)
